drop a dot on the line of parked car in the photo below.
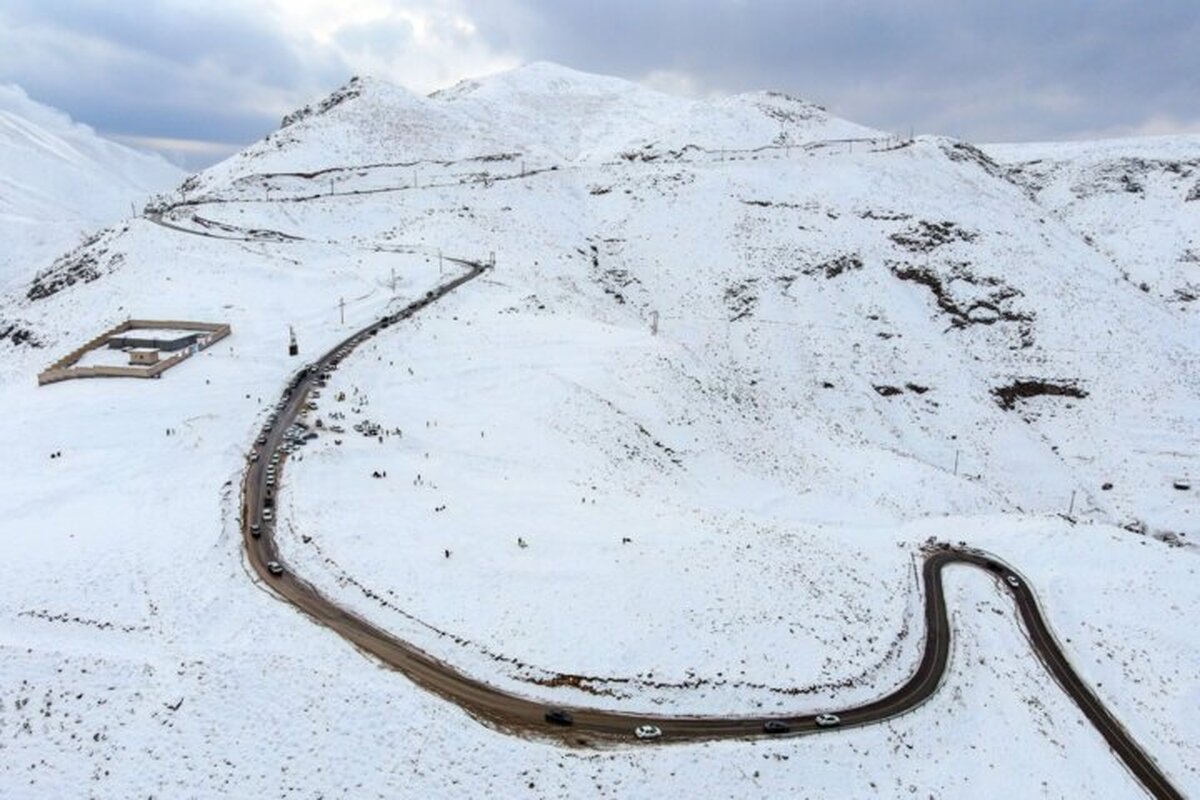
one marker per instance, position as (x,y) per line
(563,718)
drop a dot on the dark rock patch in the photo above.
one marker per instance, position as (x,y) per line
(885,216)
(1024,388)
(926,236)
(741,300)
(995,304)
(615,282)
(18,334)
(835,266)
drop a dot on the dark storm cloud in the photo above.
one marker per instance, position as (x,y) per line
(1017,68)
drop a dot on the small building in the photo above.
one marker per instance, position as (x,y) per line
(142,356)
(171,341)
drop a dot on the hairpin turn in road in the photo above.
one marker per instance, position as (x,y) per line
(580,726)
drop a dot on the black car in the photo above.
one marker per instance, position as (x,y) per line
(776,726)
(556,716)
(256,530)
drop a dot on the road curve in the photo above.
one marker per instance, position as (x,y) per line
(517,714)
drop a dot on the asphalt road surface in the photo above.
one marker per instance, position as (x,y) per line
(523,715)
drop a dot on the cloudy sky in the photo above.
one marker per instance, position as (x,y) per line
(197,79)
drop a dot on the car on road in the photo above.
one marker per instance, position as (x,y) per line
(647,731)
(262,440)
(557,716)
(256,530)
(1012,580)
(776,726)
(828,720)
(267,515)
(275,568)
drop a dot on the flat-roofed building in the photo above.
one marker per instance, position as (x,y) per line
(142,356)
(169,341)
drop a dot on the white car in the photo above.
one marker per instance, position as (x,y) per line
(828,720)
(1012,580)
(267,515)
(647,731)
(275,568)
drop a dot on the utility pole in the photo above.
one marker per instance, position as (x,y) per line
(393,281)
(654,323)
(1071,509)
(439,263)
(293,348)
(342,308)
(955,462)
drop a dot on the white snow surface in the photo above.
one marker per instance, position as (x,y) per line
(1136,202)
(59,180)
(835,310)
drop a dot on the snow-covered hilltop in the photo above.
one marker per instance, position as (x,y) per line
(736,361)
(59,180)
(542,112)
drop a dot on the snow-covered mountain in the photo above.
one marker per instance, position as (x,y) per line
(59,180)
(774,350)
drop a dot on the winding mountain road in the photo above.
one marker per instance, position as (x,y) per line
(514,713)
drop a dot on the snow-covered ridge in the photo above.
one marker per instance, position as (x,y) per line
(59,180)
(543,111)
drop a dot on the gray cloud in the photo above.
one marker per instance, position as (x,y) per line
(976,68)
(979,69)
(164,69)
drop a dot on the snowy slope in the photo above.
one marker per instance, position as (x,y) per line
(1136,201)
(59,181)
(847,327)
